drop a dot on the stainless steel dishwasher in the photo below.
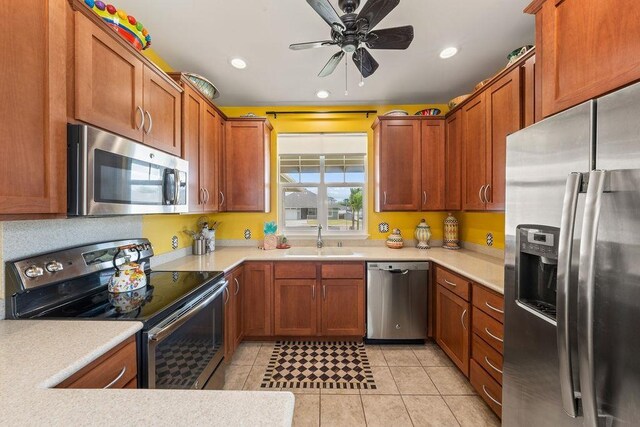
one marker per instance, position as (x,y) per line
(397,300)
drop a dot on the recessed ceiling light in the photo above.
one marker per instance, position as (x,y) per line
(448,52)
(322,94)
(239,63)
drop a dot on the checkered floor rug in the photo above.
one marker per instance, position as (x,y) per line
(306,364)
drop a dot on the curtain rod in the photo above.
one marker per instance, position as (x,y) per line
(367,112)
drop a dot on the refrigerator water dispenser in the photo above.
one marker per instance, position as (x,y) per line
(537,267)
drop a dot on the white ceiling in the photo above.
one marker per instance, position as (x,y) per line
(202,35)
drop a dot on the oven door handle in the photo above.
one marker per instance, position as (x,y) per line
(160,332)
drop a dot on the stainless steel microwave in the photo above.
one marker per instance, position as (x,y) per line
(112,175)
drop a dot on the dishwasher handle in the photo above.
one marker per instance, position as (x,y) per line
(398,271)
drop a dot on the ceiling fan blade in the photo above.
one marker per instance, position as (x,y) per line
(311,45)
(331,65)
(375,11)
(327,12)
(365,62)
(390,38)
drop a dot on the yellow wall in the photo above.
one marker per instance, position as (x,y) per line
(156,59)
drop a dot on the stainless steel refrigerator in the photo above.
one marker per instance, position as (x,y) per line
(572,267)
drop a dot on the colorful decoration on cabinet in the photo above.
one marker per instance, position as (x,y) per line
(394,241)
(451,228)
(429,112)
(383,227)
(127,26)
(489,239)
(423,234)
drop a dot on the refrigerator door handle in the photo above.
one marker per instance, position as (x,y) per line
(586,297)
(565,245)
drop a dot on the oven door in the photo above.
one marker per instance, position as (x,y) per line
(185,349)
(111,175)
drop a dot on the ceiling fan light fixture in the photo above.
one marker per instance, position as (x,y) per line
(238,63)
(448,52)
(323,94)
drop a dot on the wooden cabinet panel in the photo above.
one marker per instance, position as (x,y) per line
(487,357)
(246,165)
(295,307)
(489,302)
(162,110)
(108,81)
(433,165)
(530,93)
(398,165)
(454,283)
(192,139)
(257,301)
(343,271)
(503,103)
(487,388)
(238,291)
(474,166)
(453,160)
(452,327)
(343,307)
(295,270)
(489,329)
(209,174)
(115,369)
(33,108)
(585,48)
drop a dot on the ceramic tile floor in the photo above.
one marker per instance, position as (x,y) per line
(417,386)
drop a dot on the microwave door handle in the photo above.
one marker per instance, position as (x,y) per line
(565,246)
(159,334)
(168,193)
(177,181)
(586,297)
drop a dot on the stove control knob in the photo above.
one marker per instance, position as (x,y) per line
(54,266)
(34,271)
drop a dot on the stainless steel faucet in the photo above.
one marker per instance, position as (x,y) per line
(319,242)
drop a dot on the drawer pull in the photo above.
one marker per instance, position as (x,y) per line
(484,389)
(493,336)
(450,283)
(497,310)
(124,369)
(486,359)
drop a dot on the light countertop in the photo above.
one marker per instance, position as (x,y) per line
(483,269)
(36,355)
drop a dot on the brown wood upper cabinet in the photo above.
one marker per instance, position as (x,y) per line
(33,108)
(409,163)
(474,164)
(453,161)
(246,154)
(116,91)
(586,48)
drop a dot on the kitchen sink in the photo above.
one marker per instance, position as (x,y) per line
(314,252)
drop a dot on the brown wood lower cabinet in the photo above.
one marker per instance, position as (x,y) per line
(116,369)
(295,307)
(452,327)
(343,307)
(488,388)
(233,313)
(257,301)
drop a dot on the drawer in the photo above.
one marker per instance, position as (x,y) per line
(488,328)
(487,357)
(132,384)
(343,271)
(487,387)
(489,302)
(295,270)
(456,284)
(113,370)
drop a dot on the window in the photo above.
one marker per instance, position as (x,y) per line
(322,180)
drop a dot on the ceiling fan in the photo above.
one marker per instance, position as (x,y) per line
(351,32)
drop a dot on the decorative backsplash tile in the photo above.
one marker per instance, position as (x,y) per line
(247,234)
(383,227)
(174,242)
(489,239)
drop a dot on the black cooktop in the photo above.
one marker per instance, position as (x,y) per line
(165,291)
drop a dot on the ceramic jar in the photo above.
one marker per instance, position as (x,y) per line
(128,277)
(394,241)
(451,226)
(423,234)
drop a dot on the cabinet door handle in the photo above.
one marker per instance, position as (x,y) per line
(462,319)
(141,125)
(115,380)
(450,283)
(201,201)
(313,292)
(486,359)
(206,192)
(484,194)
(385,198)
(237,286)
(497,310)
(493,336)
(424,198)
(148,131)
(480,194)
(324,292)
(228,296)
(484,389)
(222,196)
